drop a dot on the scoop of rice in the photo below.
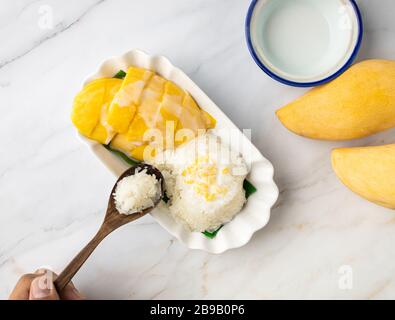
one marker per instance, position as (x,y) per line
(136,192)
(204,182)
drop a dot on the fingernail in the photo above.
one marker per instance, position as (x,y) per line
(41,271)
(40,288)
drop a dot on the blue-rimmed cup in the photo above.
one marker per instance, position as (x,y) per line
(304,43)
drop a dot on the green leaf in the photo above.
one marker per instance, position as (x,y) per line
(211,234)
(120,74)
(249,188)
(165,198)
(121,155)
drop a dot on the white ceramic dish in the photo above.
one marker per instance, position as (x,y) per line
(256,213)
(303,42)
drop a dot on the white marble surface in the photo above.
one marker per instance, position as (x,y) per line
(53,191)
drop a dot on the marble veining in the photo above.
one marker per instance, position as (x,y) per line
(53,191)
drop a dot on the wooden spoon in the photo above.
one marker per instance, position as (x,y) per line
(112,220)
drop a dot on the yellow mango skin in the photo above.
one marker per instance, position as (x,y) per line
(368,171)
(358,103)
(89,114)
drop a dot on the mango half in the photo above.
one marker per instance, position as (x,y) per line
(368,171)
(358,103)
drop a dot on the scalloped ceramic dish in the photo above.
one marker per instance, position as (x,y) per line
(255,214)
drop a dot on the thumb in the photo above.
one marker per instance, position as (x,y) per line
(42,288)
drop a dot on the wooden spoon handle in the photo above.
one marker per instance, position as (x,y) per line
(68,273)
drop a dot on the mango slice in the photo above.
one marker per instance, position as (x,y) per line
(169,114)
(358,103)
(209,119)
(89,114)
(147,113)
(138,152)
(191,116)
(121,143)
(123,107)
(368,171)
(145,151)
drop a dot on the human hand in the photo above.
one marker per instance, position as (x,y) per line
(39,286)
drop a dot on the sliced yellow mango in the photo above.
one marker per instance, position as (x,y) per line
(89,113)
(169,114)
(191,116)
(172,100)
(137,129)
(138,152)
(167,126)
(148,109)
(87,106)
(100,134)
(131,149)
(209,119)
(121,143)
(123,107)
(191,120)
(142,114)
